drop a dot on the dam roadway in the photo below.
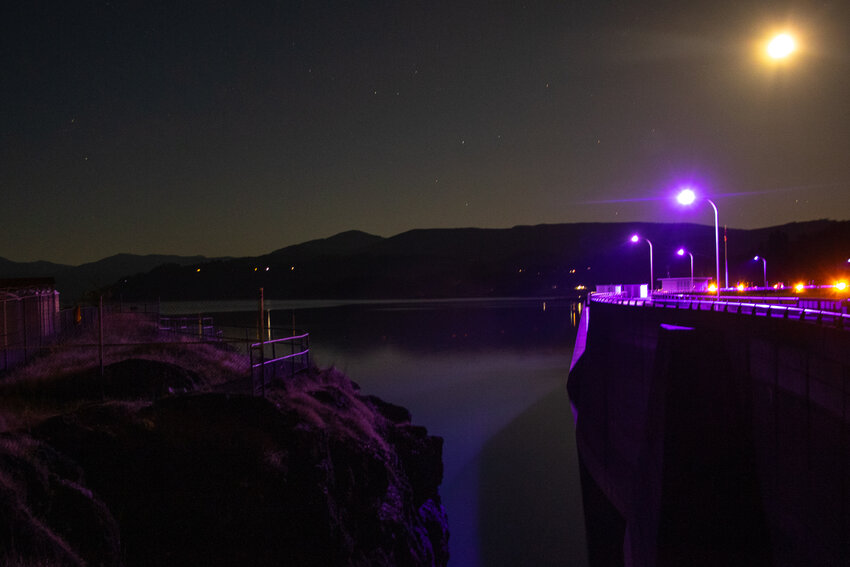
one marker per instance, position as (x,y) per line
(713,432)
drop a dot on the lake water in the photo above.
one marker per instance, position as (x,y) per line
(489,377)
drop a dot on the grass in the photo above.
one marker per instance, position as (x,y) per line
(337,448)
(57,381)
(326,399)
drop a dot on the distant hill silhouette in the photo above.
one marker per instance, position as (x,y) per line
(348,242)
(542,260)
(9,269)
(74,281)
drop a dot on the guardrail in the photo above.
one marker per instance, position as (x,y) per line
(278,367)
(775,309)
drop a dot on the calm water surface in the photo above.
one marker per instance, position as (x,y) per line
(486,375)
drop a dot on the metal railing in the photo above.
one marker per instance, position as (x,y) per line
(782,308)
(28,327)
(201,327)
(280,364)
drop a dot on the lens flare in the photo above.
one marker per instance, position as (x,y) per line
(686,196)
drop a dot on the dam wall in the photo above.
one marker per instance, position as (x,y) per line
(710,438)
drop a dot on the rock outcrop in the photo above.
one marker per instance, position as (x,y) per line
(313,474)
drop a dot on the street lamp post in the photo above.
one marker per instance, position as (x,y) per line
(764,265)
(682,252)
(636,238)
(687,197)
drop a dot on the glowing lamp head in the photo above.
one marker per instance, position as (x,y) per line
(781,46)
(686,196)
(680,251)
(635,238)
(755,257)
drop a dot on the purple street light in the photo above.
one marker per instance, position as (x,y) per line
(687,197)
(682,252)
(764,264)
(636,238)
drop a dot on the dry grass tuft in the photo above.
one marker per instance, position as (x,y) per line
(326,399)
(40,389)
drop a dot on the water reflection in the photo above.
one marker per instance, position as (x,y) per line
(575,314)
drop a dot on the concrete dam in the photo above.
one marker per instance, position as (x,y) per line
(713,435)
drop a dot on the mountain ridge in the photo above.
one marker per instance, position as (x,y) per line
(547,259)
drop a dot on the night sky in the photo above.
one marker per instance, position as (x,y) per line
(234,129)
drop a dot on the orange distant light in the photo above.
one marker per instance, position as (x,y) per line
(741,287)
(712,287)
(799,287)
(841,286)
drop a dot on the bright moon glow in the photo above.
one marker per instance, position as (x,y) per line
(686,196)
(781,46)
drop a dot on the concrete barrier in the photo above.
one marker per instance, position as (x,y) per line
(713,438)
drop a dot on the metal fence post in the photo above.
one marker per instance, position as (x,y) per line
(260,311)
(24,316)
(261,339)
(5,338)
(100,332)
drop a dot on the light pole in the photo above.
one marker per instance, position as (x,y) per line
(636,238)
(687,197)
(682,252)
(764,265)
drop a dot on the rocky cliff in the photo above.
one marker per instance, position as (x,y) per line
(316,473)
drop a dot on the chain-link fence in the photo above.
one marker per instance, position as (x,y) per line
(30,321)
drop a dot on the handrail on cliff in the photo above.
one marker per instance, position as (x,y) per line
(276,366)
(722,305)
